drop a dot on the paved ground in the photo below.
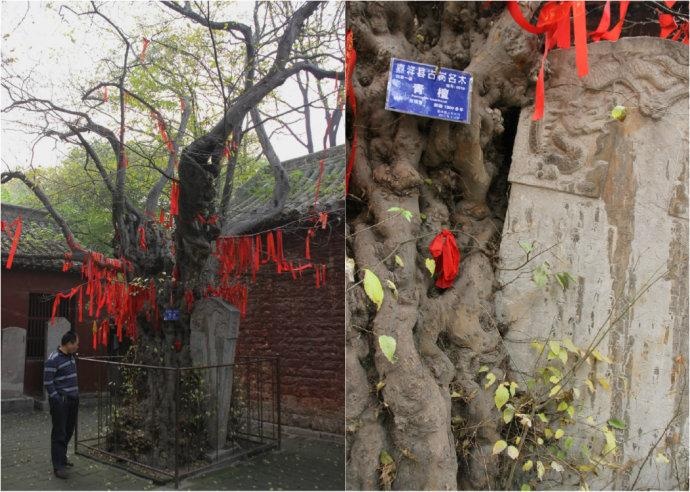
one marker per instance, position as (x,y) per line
(301,464)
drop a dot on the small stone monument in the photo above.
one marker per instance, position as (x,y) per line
(54,332)
(13,358)
(214,327)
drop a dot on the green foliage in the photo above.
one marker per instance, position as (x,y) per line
(537,418)
(388,346)
(372,288)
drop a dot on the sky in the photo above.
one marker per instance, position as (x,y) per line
(56,48)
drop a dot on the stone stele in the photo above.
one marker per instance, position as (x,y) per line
(610,199)
(13,359)
(214,327)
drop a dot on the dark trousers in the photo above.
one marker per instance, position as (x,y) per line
(64,414)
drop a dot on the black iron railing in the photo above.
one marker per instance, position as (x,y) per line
(218,414)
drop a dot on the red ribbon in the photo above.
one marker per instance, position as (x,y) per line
(554,21)
(142,55)
(350,61)
(174,198)
(94,335)
(142,238)
(445,252)
(16,226)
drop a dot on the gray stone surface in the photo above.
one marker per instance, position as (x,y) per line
(611,199)
(13,360)
(54,332)
(214,327)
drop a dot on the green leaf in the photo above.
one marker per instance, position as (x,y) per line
(618,113)
(540,275)
(501,396)
(559,433)
(392,287)
(598,356)
(455,394)
(610,440)
(563,356)
(373,289)
(661,458)
(538,346)
(499,446)
(568,442)
(508,413)
(562,406)
(570,410)
(525,487)
(387,345)
(555,346)
(526,247)
(405,213)
(568,344)
(590,385)
(490,379)
(555,390)
(528,465)
(513,452)
(399,262)
(385,458)
(604,383)
(430,265)
(616,423)
(513,388)
(540,470)
(483,369)
(564,279)
(543,418)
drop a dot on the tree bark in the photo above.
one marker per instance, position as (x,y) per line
(443,172)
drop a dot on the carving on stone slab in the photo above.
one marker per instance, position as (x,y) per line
(214,326)
(568,150)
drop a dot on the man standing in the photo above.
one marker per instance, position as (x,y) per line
(60,381)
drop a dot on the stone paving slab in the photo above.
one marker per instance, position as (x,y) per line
(302,463)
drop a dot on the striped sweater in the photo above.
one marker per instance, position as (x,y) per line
(60,375)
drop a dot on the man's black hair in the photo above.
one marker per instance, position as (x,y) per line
(69,337)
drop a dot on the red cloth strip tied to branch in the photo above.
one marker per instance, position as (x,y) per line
(141,233)
(350,61)
(554,22)
(16,228)
(602,31)
(174,198)
(145,47)
(445,252)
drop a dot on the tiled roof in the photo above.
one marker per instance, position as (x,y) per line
(254,196)
(41,244)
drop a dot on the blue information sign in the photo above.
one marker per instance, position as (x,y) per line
(171,315)
(427,90)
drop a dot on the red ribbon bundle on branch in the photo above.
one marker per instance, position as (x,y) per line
(16,227)
(141,233)
(350,61)
(174,198)
(445,252)
(554,21)
(145,46)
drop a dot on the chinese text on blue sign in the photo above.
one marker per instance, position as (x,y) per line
(171,315)
(426,90)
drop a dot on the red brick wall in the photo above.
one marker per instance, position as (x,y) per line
(17,284)
(304,326)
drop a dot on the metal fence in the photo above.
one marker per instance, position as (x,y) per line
(218,414)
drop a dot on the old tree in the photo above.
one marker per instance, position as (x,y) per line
(422,418)
(162,116)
